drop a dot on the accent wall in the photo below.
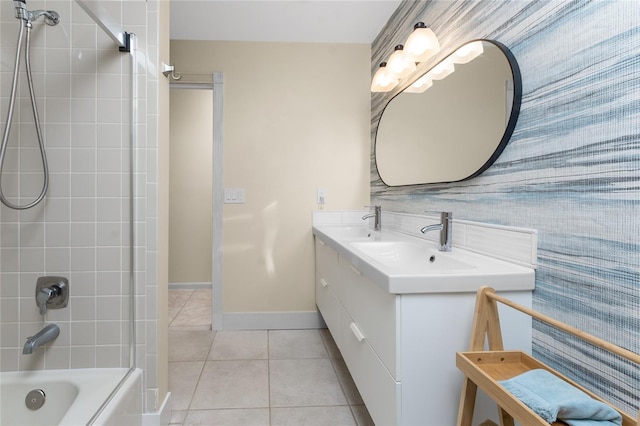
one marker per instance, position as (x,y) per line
(571,169)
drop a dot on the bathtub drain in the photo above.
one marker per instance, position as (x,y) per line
(35,399)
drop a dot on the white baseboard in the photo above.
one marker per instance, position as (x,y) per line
(270,321)
(162,417)
(190,286)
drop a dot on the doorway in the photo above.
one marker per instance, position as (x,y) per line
(190,206)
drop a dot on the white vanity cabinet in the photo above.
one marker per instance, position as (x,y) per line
(369,343)
(362,320)
(326,278)
(400,348)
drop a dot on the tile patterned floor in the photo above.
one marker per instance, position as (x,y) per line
(189,309)
(264,377)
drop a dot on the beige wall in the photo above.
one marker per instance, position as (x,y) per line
(190,181)
(296,118)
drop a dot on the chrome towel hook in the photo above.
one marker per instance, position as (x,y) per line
(170,70)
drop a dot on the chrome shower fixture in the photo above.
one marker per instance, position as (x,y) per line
(26,18)
(51,17)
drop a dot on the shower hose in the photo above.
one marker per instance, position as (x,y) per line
(7,130)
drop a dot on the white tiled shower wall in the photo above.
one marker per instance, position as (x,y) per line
(81,230)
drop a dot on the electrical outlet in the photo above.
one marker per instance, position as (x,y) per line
(322,196)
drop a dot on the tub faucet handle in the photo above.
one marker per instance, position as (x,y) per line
(44,295)
(52,293)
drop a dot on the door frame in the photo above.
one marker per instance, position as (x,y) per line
(217,189)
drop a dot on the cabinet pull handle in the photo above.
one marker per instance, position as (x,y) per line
(356,332)
(355,271)
(323,282)
(321,242)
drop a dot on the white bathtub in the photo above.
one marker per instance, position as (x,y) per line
(72,397)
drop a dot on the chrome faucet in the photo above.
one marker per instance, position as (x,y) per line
(47,334)
(377,215)
(445,227)
(52,293)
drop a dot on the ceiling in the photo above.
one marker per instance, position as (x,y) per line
(308,21)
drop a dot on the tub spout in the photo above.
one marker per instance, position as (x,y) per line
(47,334)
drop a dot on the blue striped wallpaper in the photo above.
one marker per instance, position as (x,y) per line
(571,169)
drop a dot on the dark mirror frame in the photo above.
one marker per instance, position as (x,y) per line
(511,124)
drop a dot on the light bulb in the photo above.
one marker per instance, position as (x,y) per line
(422,43)
(383,80)
(400,64)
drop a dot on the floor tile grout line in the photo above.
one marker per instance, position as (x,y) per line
(191,300)
(204,364)
(310,406)
(181,308)
(188,408)
(268,359)
(215,334)
(342,387)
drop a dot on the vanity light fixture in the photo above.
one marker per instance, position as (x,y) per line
(401,64)
(422,43)
(442,70)
(468,52)
(420,85)
(383,80)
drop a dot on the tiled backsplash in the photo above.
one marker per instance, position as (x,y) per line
(517,245)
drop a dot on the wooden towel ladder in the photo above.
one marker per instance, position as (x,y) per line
(484,369)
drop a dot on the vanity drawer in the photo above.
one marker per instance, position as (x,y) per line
(374,310)
(380,392)
(326,261)
(328,306)
(326,278)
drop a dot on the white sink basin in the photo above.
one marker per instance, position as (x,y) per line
(400,263)
(413,257)
(349,232)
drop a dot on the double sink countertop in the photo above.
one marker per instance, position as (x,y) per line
(402,264)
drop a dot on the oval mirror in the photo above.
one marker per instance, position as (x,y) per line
(449,125)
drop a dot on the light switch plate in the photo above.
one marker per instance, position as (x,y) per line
(234,195)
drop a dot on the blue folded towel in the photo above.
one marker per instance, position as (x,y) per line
(554,399)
